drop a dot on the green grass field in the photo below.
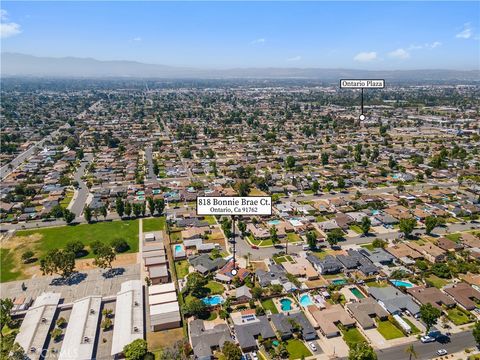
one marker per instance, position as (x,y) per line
(66,200)
(297,349)
(454,237)
(269,305)
(176,237)
(58,237)
(7,264)
(154,224)
(388,330)
(437,282)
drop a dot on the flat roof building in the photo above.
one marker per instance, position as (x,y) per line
(165,316)
(80,336)
(128,324)
(37,324)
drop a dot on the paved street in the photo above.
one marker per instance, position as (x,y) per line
(459,341)
(150,175)
(81,194)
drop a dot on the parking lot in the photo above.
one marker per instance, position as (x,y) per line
(90,282)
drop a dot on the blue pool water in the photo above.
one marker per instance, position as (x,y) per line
(402,283)
(339,282)
(375,212)
(178,248)
(273,222)
(306,300)
(212,300)
(170,194)
(295,222)
(286,304)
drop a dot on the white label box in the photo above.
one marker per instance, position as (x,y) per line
(234,205)
(362,83)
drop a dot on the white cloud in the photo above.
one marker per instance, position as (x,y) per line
(295,58)
(259,41)
(434,44)
(8,29)
(466,33)
(137,39)
(365,56)
(399,54)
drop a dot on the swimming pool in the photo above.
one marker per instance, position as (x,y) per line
(306,300)
(178,248)
(339,282)
(213,300)
(295,222)
(357,293)
(273,222)
(286,304)
(399,283)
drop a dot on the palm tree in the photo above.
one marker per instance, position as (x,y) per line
(410,350)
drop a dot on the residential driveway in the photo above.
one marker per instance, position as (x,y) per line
(335,346)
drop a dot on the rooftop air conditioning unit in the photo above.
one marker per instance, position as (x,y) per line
(135,329)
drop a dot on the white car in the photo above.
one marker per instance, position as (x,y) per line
(427,339)
(312,346)
(254,356)
(442,352)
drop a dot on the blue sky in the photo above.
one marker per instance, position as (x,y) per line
(362,35)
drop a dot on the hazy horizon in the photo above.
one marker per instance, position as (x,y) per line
(227,35)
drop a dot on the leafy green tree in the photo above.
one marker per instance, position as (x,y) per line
(362,351)
(56,212)
(6,306)
(88,213)
(365,225)
(334,236)
(242,227)
(17,352)
(290,162)
(159,206)
(257,292)
(27,256)
(231,351)
(324,158)
(75,246)
(56,334)
(243,188)
(476,333)
(195,307)
(151,205)
(407,226)
(274,235)
(104,211)
(429,315)
(196,283)
(119,245)
(311,240)
(379,243)
(104,256)
(315,186)
(68,216)
(119,206)
(441,270)
(136,350)
(341,182)
(128,209)
(58,262)
(431,223)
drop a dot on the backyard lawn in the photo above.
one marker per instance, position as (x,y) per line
(297,349)
(215,288)
(181,267)
(377,284)
(457,316)
(154,224)
(210,219)
(356,228)
(352,336)
(176,237)
(368,246)
(388,330)
(292,237)
(437,282)
(269,305)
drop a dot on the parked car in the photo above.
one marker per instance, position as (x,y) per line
(442,352)
(427,339)
(312,346)
(254,247)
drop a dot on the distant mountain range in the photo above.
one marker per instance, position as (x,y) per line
(14,64)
